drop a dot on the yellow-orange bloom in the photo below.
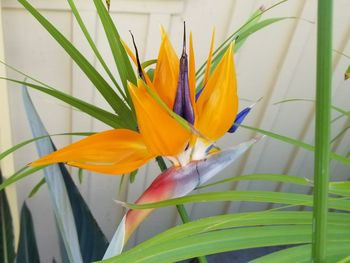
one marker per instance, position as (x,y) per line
(159,134)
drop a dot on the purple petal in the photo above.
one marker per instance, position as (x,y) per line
(183,105)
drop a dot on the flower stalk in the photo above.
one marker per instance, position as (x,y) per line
(185,218)
(322,129)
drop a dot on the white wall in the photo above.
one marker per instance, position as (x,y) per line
(276,63)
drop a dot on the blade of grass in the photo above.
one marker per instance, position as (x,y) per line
(242,36)
(341,133)
(260,218)
(147,63)
(298,143)
(347,73)
(249,196)
(121,58)
(99,82)
(20,174)
(322,129)
(106,117)
(224,240)
(263,177)
(340,110)
(93,46)
(37,187)
(301,254)
(254,18)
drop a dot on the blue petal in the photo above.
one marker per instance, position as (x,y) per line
(239,119)
(199,92)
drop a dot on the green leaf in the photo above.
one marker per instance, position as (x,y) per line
(347,73)
(309,147)
(340,188)
(243,32)
(303,253)
(150,73)
(57,190)
(20,174)
(98,113)
(7,250)
(224,240)
(37,187)
(340,110)
(340,134)
(242,36)
(263,177)
(24,143)
(79,231)
(253,20)
(148,63)
(132,176)
(261,218)
(249,196)
(93,46)
(80,175)
(121,58)
(99,82)
(27,246)
(93,242)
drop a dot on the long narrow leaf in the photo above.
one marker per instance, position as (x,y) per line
(252,21)
(92,241)
(99,82)
(93,46)
(20,174)
(57,189)
(340,110)
(98,113)
(242,36)
(263,177)
(309,147)
(7,250)
(27,246)
(249,196)
(302,254)
(261,218)
(121,58)
(225,240)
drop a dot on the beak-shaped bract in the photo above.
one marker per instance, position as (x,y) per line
(179,181)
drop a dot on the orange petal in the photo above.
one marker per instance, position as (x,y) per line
(162,134)
(114,151)
(167,72)
(207,71)
(217,106)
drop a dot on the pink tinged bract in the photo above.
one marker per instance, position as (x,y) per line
(176,182)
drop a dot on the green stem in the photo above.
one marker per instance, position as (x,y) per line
(322,129)
(180,208)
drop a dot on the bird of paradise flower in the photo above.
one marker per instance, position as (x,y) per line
(195,159)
